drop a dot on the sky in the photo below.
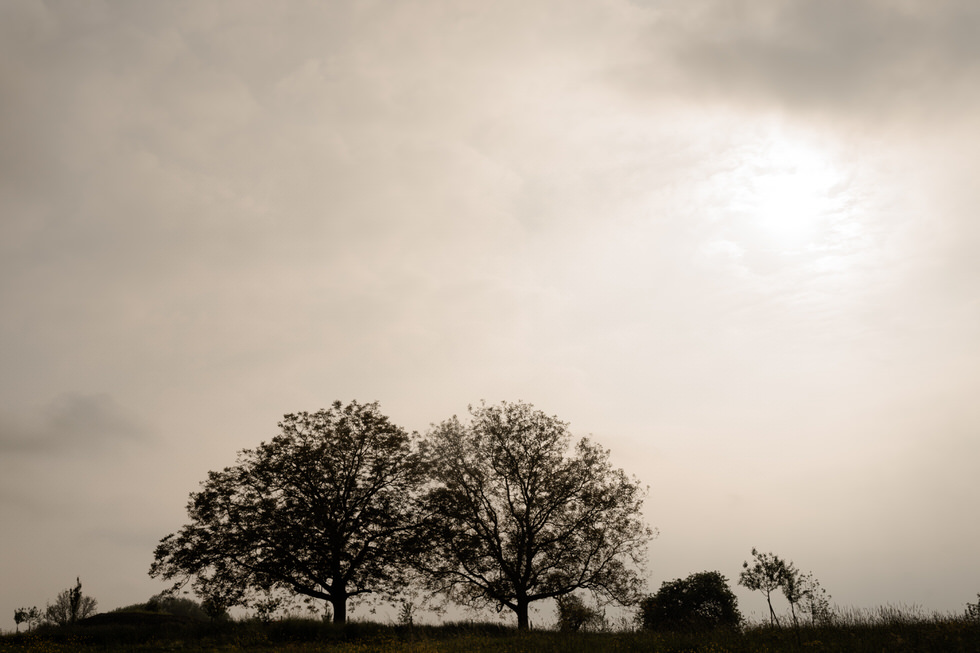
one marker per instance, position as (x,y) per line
(732,241)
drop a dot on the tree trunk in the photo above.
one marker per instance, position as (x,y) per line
(773,619)
(523,622)
(339,602)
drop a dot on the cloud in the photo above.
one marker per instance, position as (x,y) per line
(69,424)
(219,212)
(875,58)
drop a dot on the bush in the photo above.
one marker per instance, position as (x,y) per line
(177,605)
(574,615)
(164,603)
(697,603)
(973,610)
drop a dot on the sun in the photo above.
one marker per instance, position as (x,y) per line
(787,194)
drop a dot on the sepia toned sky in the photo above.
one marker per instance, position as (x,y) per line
(735,242)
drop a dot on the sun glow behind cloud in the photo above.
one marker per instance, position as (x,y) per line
(790,196)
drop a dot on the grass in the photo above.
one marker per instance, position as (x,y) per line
(885,629)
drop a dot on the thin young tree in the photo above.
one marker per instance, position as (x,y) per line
(20,616)
(766,575)
(33,617)
(794,589)
(816,600)
(324,510)
(514,517)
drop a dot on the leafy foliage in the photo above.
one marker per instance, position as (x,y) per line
(816,601)
(794,589)
(770,572)
(700,602)
(766,575)
(972,612)
(30,616)
(513,519)
(574,615)
(324,510)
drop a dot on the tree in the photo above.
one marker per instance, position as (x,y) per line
(794,589)
(34,617)
(972,612)
(574,615)
(514,519)
(766,575)
(324,510)
(804,590)
(70,606)
(816,601)
(701,601)
(31,616)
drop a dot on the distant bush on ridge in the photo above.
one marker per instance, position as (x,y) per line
(699,602)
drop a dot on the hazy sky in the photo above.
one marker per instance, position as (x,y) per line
(733,241)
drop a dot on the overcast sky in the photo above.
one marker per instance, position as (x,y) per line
(735,242)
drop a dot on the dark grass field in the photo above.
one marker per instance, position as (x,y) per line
(155,632)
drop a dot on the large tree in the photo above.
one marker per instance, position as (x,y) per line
(517,517)
(323,510)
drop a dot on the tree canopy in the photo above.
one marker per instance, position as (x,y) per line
(770,572)
(766,575)
(323,510)
(701,601)
(515,517)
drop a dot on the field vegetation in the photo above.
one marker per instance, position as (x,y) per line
(884,629)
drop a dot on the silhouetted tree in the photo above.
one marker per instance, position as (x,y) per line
(324,510)
(800,588)
(816,601)
(701,601)
(31,616)
(514,519)
(406,613)
(972,612)
(794,589)
(767,575)
(574,615)
(70,606)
